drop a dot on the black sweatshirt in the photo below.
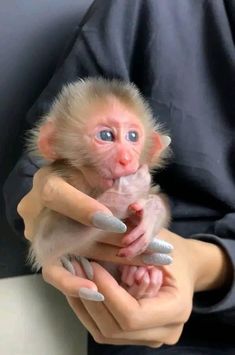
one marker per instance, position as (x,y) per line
(181,55)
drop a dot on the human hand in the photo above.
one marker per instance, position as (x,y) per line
(145,281)
(53,192)
(121,319)
(75,283)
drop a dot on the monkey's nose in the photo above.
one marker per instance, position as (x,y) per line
(124,160)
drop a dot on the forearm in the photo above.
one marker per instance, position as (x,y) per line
(213,268)
(216,281)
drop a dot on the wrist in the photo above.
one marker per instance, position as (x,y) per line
(212,266)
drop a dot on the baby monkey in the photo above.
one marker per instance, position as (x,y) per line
(101,137)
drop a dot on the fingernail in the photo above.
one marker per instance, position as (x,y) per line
(67,265)
(161,246)
(91,295)
(157,259)
(108,223)
(86,265)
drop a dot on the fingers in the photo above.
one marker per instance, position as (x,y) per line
(100,322)
(140,290)
(135,248)
(128,274)
(81,313)
(108,246)
(65,281)
(104,328)
(101,338)
(145,313)
(140,273)
(60,196)
(29,210)
(160,246)
(156,259)
(50,190)
(159,256)
(142,282)
(156,280)
(106,252)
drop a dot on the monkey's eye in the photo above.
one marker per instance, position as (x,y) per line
(132,136)
(105,135)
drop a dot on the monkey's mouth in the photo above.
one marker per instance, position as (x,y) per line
(109,177)
(108,180)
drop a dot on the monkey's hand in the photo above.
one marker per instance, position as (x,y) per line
(148,217)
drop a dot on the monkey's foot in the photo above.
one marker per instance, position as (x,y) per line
(141,282)
(136,209)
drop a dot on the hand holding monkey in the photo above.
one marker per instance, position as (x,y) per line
(121,319)
(96,133)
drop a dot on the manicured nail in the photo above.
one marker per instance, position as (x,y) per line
(91,295)
(166,140)
(157,259)
(67,265)
(86,265)
(108,223)
(160,246)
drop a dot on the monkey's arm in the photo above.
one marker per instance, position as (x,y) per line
(151,216)
(147,210)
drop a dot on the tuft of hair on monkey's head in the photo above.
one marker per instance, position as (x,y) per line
(69,115)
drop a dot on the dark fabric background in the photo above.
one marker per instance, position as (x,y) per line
(33,37)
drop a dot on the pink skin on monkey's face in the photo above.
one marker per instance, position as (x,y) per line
(116,138)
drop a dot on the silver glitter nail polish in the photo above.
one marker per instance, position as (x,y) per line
(160,246)
(157,259)
(108,223)
(91,295)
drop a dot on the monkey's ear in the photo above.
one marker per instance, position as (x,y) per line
(166,141)
(46,140)
(159,144)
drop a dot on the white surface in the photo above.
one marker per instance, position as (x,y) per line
(35,319)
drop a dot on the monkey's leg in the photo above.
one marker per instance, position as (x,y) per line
(141,282)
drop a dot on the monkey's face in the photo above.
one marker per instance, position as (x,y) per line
(115,140)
